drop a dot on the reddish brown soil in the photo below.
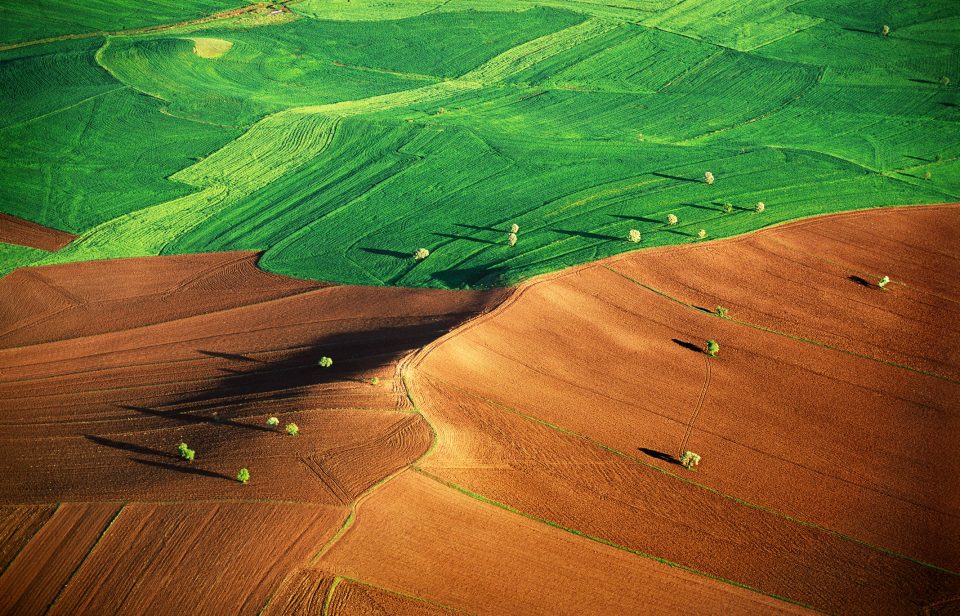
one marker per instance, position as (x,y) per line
(15,230)
(18,524)
(355,599)
(200,558)
(302,593)
(563,403)
(35,578)
(419,536)
(817,279)
(106,366)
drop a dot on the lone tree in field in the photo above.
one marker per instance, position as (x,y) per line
(293,429)
(760,207)
(690,460)
(727,207)
(185,452)
(883,282)
(375,380)
(243,475)
(672,219)
(634,236)
(702,233)
(927,175)
(722,312)
(713,347)
(945,81)
(273,422)
(885,30)
(512,239)
(514,228)
(421,254)
(708,177)
(325,362)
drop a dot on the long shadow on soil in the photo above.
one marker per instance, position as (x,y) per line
(659,455)
(294,379)
(688,345)
(189,470)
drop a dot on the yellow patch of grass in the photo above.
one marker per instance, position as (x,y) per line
(210,47)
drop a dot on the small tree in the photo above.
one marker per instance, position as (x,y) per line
(273,422)
(945,81)
(727,207)
(185,452)
(514,228)
(421,254)
(634,236)
(293,429)
(708,177)
(243,475)
(927,175)
(713,347)
(702,233)
(760,207)
(325,362)
(722,312)
(885,30)
(690,460)
(375,380)
(512,239)
(883,282)
(672,219)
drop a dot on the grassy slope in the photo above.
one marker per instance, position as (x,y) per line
(590,128)
(25,21)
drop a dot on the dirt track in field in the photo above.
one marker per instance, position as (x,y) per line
(537,474)
(22,232)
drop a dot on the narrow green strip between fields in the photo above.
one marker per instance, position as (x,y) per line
(484,499)
(701,486)
(781,333)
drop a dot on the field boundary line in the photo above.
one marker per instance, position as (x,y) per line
(783,334)
(736,499)
(600,540)
(86,557)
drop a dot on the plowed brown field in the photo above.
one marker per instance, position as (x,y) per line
(15,230)
(538,473)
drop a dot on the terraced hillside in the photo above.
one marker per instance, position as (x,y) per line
(338,137)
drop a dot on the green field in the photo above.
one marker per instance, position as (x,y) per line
(342,137)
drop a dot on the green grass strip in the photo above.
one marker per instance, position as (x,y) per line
(780,333)
(600,540)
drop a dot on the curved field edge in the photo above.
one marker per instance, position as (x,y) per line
(349,204)
(412,380)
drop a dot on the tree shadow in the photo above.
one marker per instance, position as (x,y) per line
(131,447)
(189,470)
(923,160)
(659,455)
(465,237)
(186,416)
(949,104)
(653,221)
(388,253)
(926,81)
(688,345)
(476,228)
(860,281)
(481,277)
(588,235)
(677,177)
(861,30)
(699,207)
(680,233)
(231,356)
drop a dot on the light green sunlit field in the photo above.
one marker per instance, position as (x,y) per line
(341,136)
